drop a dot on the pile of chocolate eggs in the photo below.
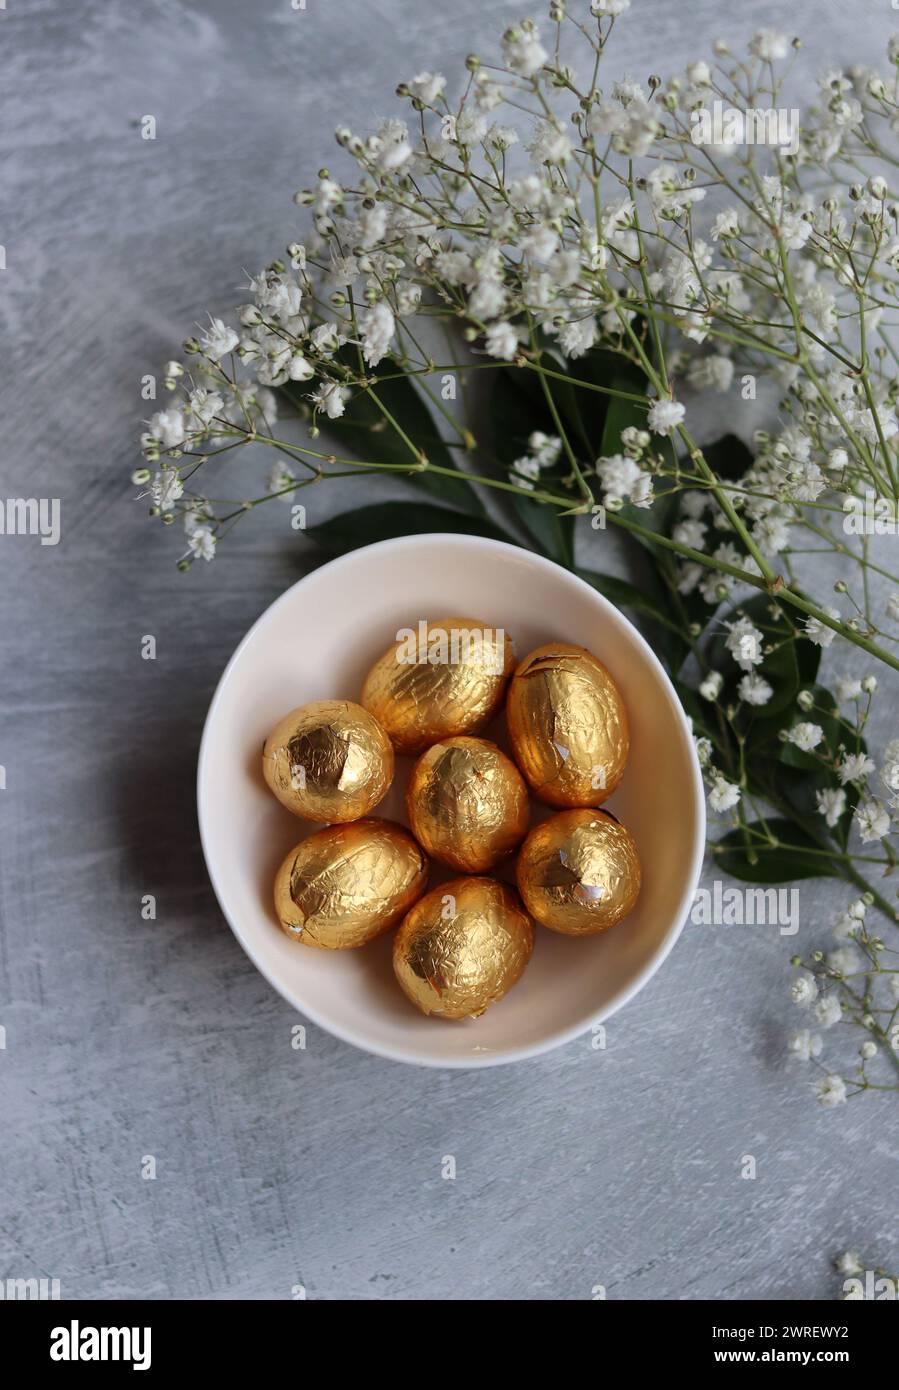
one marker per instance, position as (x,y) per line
(464,943)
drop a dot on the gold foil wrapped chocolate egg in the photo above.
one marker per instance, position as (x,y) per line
(346,884)
(462,946)
(467,803)
(567,725)
(441,679)
(328,761)
(579,872)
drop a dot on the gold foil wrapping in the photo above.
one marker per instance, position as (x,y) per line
(346,884)
(467,803)
(328,761)
(579,872)
(441,679)
(462,946)
(567,725)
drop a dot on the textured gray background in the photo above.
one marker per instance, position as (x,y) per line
(124,1038)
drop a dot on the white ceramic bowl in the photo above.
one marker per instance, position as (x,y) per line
(316,642)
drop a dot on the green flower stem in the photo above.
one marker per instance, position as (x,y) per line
(413,449)
(759,582)
(644,280)
(697,455)
(574,381)
(557,420)
(767,585)
(520,363)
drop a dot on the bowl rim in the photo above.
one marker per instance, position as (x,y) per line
(561,1036)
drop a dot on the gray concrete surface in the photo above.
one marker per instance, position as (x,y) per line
(321,1168)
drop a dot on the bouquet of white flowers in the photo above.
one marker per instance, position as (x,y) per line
(595,254)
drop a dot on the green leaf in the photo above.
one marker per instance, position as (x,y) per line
(517,408)
(585,413)
(386,520)
(621,414)
(783,668)
(798,787)
(623,594)
(700,712)
(365,432)
(793,858)
(553,533)
(826,715)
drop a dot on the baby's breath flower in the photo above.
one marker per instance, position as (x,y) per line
(754,690)
(691,533)
(710,686)
(770,45)
(744,642)
(854,767)
(166,488)
(828,1011)
(804,990)
(523,50)
(551,144)
(623,480)
(845,960)
(280,479)
(330,397)
(218,340)
(703,751)
(818,632)
(831,1091)
(723,795)
(427,86)
(804,1045)
(805,736)
(714,372)
(726,224)
(665,416)
(872,819)
(168,427)
(376,329)
(831,803)
(201,542)
(501,340)
(848,688)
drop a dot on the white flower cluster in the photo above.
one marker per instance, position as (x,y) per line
(528,233)
(821,993)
